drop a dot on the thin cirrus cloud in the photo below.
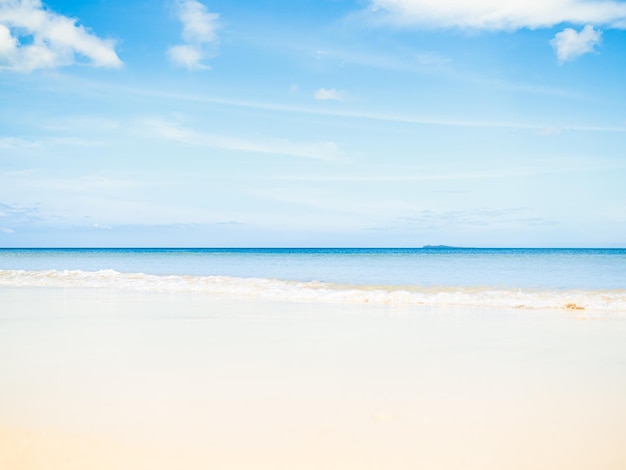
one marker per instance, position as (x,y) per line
(330,94)
(33,37)
(16,143)
(198,35)
(496,15)
(15,215)
(175,132)
(516,216)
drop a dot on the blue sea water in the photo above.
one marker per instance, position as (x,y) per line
(575,279)
(587,269)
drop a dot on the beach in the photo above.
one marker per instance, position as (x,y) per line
(105,378)
(315,235)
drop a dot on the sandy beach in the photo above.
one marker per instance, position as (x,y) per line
(312,235)
(102,379)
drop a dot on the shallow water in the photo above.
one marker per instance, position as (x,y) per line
(590,269)
(593,280)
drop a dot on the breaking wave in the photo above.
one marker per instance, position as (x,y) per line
(316,291)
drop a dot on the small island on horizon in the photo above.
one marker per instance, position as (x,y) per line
(442,247)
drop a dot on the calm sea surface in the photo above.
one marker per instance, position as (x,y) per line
(587,269)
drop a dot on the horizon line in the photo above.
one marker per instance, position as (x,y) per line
(423,247)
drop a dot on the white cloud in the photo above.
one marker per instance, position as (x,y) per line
(569,44)
(187,56)
(33,37)
(511,15)
(199,32)
(7,42)
(330,94)
(175,132)
(501,15)
(7,230)
(198,24)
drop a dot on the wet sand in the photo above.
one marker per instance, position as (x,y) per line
(101,379)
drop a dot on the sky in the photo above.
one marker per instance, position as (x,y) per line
(275,123)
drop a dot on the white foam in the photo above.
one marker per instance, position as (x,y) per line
(315,291)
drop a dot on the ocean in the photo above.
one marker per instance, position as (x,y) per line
(575,279)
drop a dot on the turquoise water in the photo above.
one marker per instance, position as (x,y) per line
(589,269)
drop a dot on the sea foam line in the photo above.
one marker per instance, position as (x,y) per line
(315,291)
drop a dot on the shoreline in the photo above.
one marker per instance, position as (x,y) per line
(593,303)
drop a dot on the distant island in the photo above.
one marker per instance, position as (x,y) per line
(441,247)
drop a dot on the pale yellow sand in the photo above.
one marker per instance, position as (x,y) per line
(106,380)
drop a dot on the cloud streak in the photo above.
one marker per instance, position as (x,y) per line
(17,215)
(330,94)
(16,143)
(486,217)
(361,114)
(199,33)
(375,116)
(177,133)
(32,37)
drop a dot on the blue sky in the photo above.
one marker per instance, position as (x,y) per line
(312,123)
